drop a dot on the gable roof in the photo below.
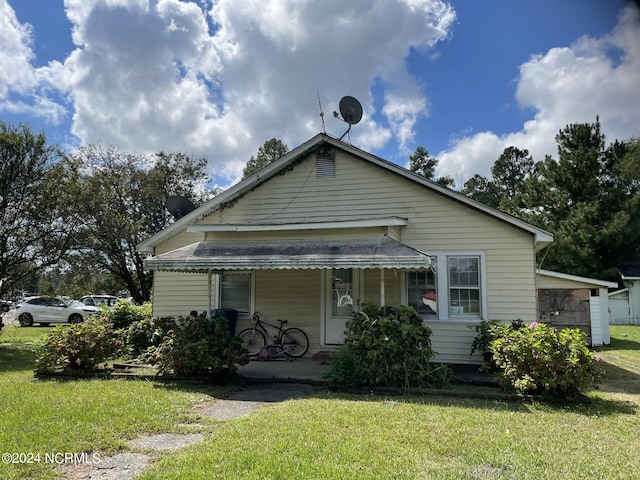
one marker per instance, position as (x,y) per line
(588,282)
(542,238)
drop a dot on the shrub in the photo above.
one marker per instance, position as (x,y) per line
(389,347)
(79,347)
(541,360)
(196,346)
(144,336)
(485,334)
(482,341)
(123,314)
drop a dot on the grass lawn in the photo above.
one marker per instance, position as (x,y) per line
(332,436)
(48,416)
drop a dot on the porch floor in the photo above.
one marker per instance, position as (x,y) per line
(300,369)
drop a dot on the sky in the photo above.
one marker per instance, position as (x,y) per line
(217,78)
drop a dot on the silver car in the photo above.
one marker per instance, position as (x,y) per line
(46,310)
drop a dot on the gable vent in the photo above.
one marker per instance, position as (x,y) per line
(326,165)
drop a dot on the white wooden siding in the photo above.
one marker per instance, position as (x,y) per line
(180,293)
(181,239)
(292,295)
(452,342)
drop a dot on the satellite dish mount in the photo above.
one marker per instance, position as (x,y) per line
(350,112)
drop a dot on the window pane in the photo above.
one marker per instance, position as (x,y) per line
(464,285)
(464,271)
(235,291)
(342,290)
(421,292)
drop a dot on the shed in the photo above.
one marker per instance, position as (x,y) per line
(570,301)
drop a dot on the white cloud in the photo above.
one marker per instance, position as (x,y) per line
(16,73)
(593,77)
(168,74)
(21,91)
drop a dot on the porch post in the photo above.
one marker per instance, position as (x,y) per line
(209,275)
(382,303)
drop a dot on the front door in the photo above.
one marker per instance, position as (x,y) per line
(342,298)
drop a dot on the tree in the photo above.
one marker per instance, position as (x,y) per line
(588,198)
(422,163)
(268,153)
(576,175)
(35,228)
(592,206)
(508,188)
(511,171)
(121,198)
(630,165)
(481,189)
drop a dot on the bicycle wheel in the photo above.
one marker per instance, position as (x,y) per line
(252,340)
(295,342)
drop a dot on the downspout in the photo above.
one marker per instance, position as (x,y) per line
(382,299)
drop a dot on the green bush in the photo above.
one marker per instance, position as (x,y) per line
(197,346)
(79,347)
(123,314)
(387,347)
(144,336)
(485,334)
(482,341)
(539,359)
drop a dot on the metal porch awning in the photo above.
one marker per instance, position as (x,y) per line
(212,255)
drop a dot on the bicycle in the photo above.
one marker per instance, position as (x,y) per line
(290,342)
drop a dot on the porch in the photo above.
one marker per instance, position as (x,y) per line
(305,369)
(308,370)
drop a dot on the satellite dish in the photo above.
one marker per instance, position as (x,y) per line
(179,206)
(351,110)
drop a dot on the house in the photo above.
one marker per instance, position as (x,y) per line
(327,227)
(625,302)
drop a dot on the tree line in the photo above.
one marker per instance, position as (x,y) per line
(588,197)
(71,221)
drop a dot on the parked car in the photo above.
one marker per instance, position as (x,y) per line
(97,300)
(46,310)
(5,305)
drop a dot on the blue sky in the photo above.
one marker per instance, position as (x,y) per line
(465,79)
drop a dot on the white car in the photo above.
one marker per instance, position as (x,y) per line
(46,310)
(98,300)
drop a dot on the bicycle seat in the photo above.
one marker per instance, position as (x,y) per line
(283,321)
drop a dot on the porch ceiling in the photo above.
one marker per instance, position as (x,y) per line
(210,255)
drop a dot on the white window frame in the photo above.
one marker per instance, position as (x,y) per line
(252,291)
(442,287)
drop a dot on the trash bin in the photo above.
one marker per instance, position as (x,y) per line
(230,314)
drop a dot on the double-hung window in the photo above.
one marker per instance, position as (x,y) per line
(464,285)
(421,292)
(453,290)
